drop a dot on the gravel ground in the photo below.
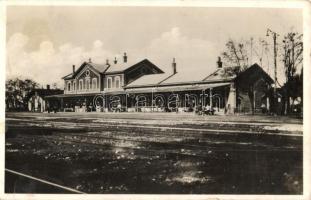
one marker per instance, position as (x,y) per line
(155,153)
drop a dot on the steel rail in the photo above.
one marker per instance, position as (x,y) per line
(44,181)
(166,151)
(95,126)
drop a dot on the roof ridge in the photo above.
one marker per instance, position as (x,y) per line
(217,70)
(166,78)
(106,68)
(67,75)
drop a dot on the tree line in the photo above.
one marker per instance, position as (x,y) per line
(17,93)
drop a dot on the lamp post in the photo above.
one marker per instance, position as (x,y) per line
(274,35)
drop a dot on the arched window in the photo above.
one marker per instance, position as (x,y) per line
(87,82)
(80,84)
(109,82)
(74,85)
(117,81)
(68,86)
(94,83)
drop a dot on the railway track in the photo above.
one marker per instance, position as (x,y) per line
(172,146)
(160,135)
(164,140)
(176,140)
(202,127)
(144,150)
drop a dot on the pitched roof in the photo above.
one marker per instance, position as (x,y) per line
(218,75)
(69,76)
(101,68)
(148,80)
(184,77)
(178,78)
(121,66)
(252,74)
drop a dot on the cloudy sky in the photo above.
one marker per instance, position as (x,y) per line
(43,42)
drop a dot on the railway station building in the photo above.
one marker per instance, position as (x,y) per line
(144,87)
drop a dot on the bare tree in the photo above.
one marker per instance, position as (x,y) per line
(292,56)
(239,55)
(235,58)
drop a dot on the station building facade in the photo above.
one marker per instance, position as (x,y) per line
(144,87)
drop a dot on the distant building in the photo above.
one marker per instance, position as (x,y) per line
(36,99)
(144,87)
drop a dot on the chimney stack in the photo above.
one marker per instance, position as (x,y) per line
(115,60)
(125,57)
(107,62)
(174,66)
(219,63)
(90,60)
(73,69)
(48,87)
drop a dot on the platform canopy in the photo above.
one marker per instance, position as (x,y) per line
(72,95)
(177,88)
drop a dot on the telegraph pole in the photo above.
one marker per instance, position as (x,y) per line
(274,35)
(251,50)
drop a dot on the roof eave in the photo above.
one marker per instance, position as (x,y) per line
(180,83)
(198,82)
(141,86)
(66,77)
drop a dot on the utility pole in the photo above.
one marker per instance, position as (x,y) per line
(251,50)
(274,34)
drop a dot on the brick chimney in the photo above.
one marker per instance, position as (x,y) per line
(107,62)
(73,69)
(219,62)
(115,60)
(47,87)
(174,66)
(90,60)
(124,57)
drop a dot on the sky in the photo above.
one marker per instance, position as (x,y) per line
(43,42)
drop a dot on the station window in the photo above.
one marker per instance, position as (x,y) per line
(87,81)
(68,86)
(109,82)
(94,83)
(117,81)
(80,84)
